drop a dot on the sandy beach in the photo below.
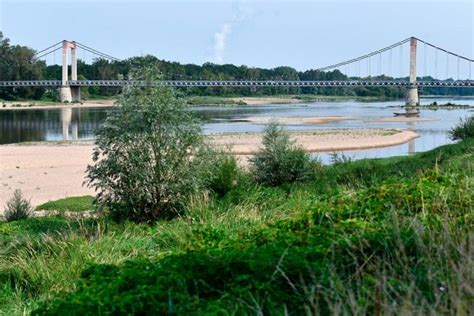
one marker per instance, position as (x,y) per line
(34,105)
(294,120)
(12,105)
(50,171)
(266,100)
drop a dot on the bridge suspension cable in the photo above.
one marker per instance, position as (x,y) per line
(454,67)
(47,48)
(53,48)
(444,50)
(350,61)
(47,53)
(96,52)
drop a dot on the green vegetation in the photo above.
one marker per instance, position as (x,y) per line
(445,106)
(464,130)
(69,204)
(17,207)
(370,236)
(142,169)
(209,100)
(280,161)
(222,174)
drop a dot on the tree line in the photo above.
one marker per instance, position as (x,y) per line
(18,63)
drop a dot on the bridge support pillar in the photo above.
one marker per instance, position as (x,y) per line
(69,93)
(65,94)
(412,98)
(76,94)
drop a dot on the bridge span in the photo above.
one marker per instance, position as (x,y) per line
(237,83)
(69,90)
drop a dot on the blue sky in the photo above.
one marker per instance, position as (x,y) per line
(301,34)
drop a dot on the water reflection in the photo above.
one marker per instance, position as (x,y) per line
(49,124)
(411,143)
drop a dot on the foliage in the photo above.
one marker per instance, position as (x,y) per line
(221,172)
(464,130)
(144,168)
(386,261)
(72,204)
(398,240)
(17,63)
(280,161)
(17,207)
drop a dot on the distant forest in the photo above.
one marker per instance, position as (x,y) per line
(17,63)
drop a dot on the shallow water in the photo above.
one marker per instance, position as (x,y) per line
(81,123)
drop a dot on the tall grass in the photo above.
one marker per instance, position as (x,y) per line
(362,238)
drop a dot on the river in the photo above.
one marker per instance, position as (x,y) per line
(27,125)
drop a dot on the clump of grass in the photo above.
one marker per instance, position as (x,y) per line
(17,207)
(464,129)
(222,172)
(70,204)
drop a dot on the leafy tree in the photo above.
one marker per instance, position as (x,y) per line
(146,154)
(18,63)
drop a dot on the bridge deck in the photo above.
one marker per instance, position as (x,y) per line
(235,83)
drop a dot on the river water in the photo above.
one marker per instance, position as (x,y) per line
(26,125)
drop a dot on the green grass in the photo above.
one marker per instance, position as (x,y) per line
(71,204)
(381,236)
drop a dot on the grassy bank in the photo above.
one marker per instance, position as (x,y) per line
(70,204)
(367,237)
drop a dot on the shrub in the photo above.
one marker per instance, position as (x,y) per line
(222,172)
(18,207)
(144,167)
(464,129)
(280,160)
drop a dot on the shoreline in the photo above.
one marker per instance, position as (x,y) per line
(48,171)
(191,101)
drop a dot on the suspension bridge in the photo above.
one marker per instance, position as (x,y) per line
(375,69)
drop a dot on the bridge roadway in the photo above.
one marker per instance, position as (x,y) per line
(236,83)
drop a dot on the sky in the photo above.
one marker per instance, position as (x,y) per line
(301,34)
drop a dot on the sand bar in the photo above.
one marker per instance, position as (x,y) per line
(50,171)
(395,119)
(294,120)
(32,105)
(321,140)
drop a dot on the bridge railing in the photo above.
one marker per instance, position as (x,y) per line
(237,83)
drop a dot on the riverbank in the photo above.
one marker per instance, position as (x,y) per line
(49,171)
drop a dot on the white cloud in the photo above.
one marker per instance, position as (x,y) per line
(242,12)
(220,39)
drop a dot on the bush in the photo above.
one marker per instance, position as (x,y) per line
(18,207)
(280,161)
(464,129)
(222,172)
(144,167)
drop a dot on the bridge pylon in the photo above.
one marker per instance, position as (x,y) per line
(69,93)
(412,98)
